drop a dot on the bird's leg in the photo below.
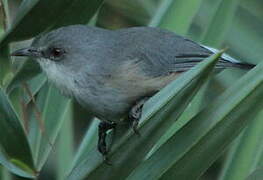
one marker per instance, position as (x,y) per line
(136,113)
(103,128)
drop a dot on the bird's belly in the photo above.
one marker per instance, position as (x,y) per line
(112,101)
(106,105)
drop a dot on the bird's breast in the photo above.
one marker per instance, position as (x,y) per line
(104,102)
(62,79)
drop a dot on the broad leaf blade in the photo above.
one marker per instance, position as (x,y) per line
(53,106)
(194,147)
(176,15)
(220,22)
(206,95)
(65,145)
(5,174)
(256,175)
(5,66)
(249,33)
(28,70)
(80,12)
(5,62)
(248,150)
(160,112)
(56,13)
(34,86)
(15,153)
(89,141)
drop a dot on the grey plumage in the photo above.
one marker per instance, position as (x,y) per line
(107,71)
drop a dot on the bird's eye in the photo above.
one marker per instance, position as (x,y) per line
(57,52)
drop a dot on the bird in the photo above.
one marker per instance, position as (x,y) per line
(112,73)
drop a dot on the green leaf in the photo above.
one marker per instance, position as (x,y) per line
(256,175)
(45,15)
(65,145)
(246,154)
(159,113)
(246,33)
(253,8)
(5,62)
(5,66)
(220,22)
(199,143)
(124,12)
(5,13)
(206,95)
(53,107)
(4,173)
(34,86)
(176,15)
(88,142)
(28,70)
(15,153)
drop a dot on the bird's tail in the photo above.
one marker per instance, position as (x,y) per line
(228,61)
(242,65)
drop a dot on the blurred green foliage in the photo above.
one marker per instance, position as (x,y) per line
(233,24)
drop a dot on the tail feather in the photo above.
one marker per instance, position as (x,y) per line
(186,62)
(246,66)
(231,61)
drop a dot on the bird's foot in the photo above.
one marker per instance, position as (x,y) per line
(102,146)
(136,113)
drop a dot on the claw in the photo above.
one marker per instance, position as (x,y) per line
(102,146)
(135,128)
(106,160)
(136,113)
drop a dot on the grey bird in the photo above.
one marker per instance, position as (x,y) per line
(113,72)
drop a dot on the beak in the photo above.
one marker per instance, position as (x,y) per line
(29,52)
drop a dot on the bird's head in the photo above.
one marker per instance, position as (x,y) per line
(66,48)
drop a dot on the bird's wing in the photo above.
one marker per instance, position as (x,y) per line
(224,56)
(161,52)
(150,58)
(134,78)
(187,61)
(154,64)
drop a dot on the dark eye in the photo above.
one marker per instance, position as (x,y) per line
(57,52)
